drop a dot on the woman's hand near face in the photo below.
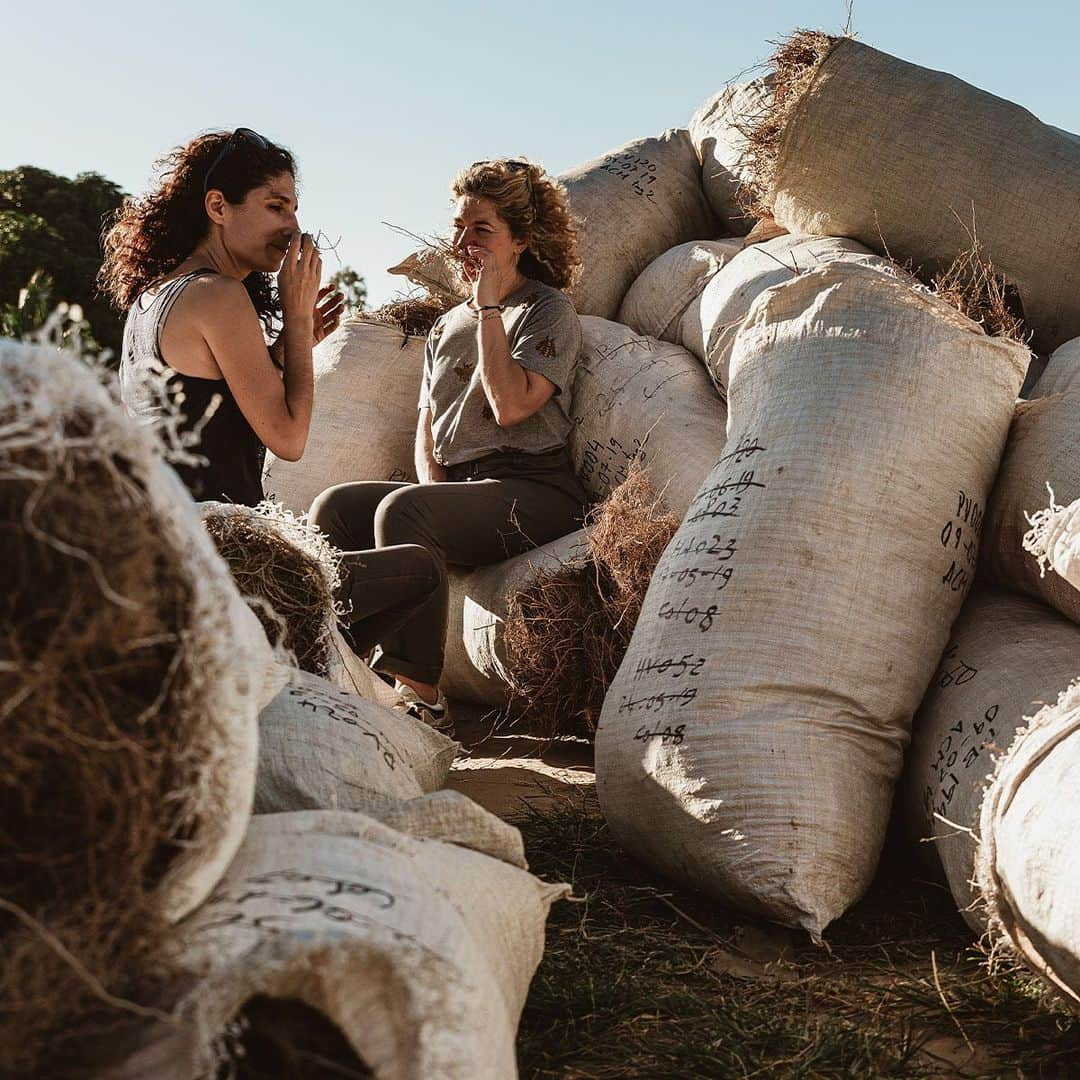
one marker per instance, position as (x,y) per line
(298,278)
(326,317)
(487,286)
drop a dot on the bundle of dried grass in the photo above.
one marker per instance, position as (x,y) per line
(412,315)
(567,632)
(129,687)
(287,571)
(974,287)
(792,67)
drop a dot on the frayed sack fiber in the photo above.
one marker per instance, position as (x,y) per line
(321,748)
(1006,656)
(288,572)
(477,668)
(665,300)
(912,162)
(363,425)
(732,291)
(639,399)
(719,132)
(632,204)
(751,739)
(1028,862)
(568,629)
(420,952)
(131,673)
(1023,534)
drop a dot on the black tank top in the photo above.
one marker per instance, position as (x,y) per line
(234,455)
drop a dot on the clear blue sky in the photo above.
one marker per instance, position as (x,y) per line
(382,102)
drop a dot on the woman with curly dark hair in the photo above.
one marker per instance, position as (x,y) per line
(192,263)
(495,473)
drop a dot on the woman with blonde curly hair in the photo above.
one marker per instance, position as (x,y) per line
(491,454)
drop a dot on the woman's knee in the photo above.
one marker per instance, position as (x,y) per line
(346,513)
(403,517)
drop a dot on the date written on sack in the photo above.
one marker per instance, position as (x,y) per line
(639,171)
(667,735)
(345,715)
(608,463)
(657,702)
(960,539)
(688,664)
(952,671)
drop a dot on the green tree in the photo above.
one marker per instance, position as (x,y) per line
(352,286)
(52,224)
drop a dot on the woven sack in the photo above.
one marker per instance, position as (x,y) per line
(751,739)
(419,951)
(1007,655)
(731,292)
(639,398)
(1028,862)
(363,424)
(894,154)
(718,131)
(659,302)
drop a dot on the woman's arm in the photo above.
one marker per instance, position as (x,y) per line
(278,408)
(428,470)
(513,392)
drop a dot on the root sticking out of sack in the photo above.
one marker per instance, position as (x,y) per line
(566,633)
(972,285)
(287,571)
(412,315)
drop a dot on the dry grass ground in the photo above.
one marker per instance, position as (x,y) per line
(641,979)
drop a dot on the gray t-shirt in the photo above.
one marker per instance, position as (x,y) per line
(544,334)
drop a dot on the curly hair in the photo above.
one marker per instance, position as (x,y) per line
(535,207)
(149,236)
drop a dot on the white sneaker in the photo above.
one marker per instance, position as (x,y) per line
(436,716)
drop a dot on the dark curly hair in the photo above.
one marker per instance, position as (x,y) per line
(149,236)
(535,207)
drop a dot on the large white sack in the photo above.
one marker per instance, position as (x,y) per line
(1043,448)
(750,741)
(59,425)
(732,291)
(419,951)
(363,424)
(718,131)
(1007,655)
(658,302)
(632,204)
(321,748)
(1028,862)
(908,160)
(636,397)
(1062,371)
(476,669)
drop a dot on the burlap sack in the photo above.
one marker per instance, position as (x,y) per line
(751,739)
(1062,371)
(657,303)
(632,204)
(475,668)
(321,748)
(1043,448)
(363,425)
(636,397)
(718,131)
(891,153)
(1028,861)
(731,292)
(419,951)
(1006,657)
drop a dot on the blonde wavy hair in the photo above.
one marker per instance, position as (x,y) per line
(535,207)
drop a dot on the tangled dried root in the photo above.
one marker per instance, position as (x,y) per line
(567,632)
(972,285)
(412,315)
(793,67)
(286,570)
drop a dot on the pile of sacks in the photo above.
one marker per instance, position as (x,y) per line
(207,849)
(817,366)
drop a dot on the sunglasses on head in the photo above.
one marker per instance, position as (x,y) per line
(515,166)
(239,136)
